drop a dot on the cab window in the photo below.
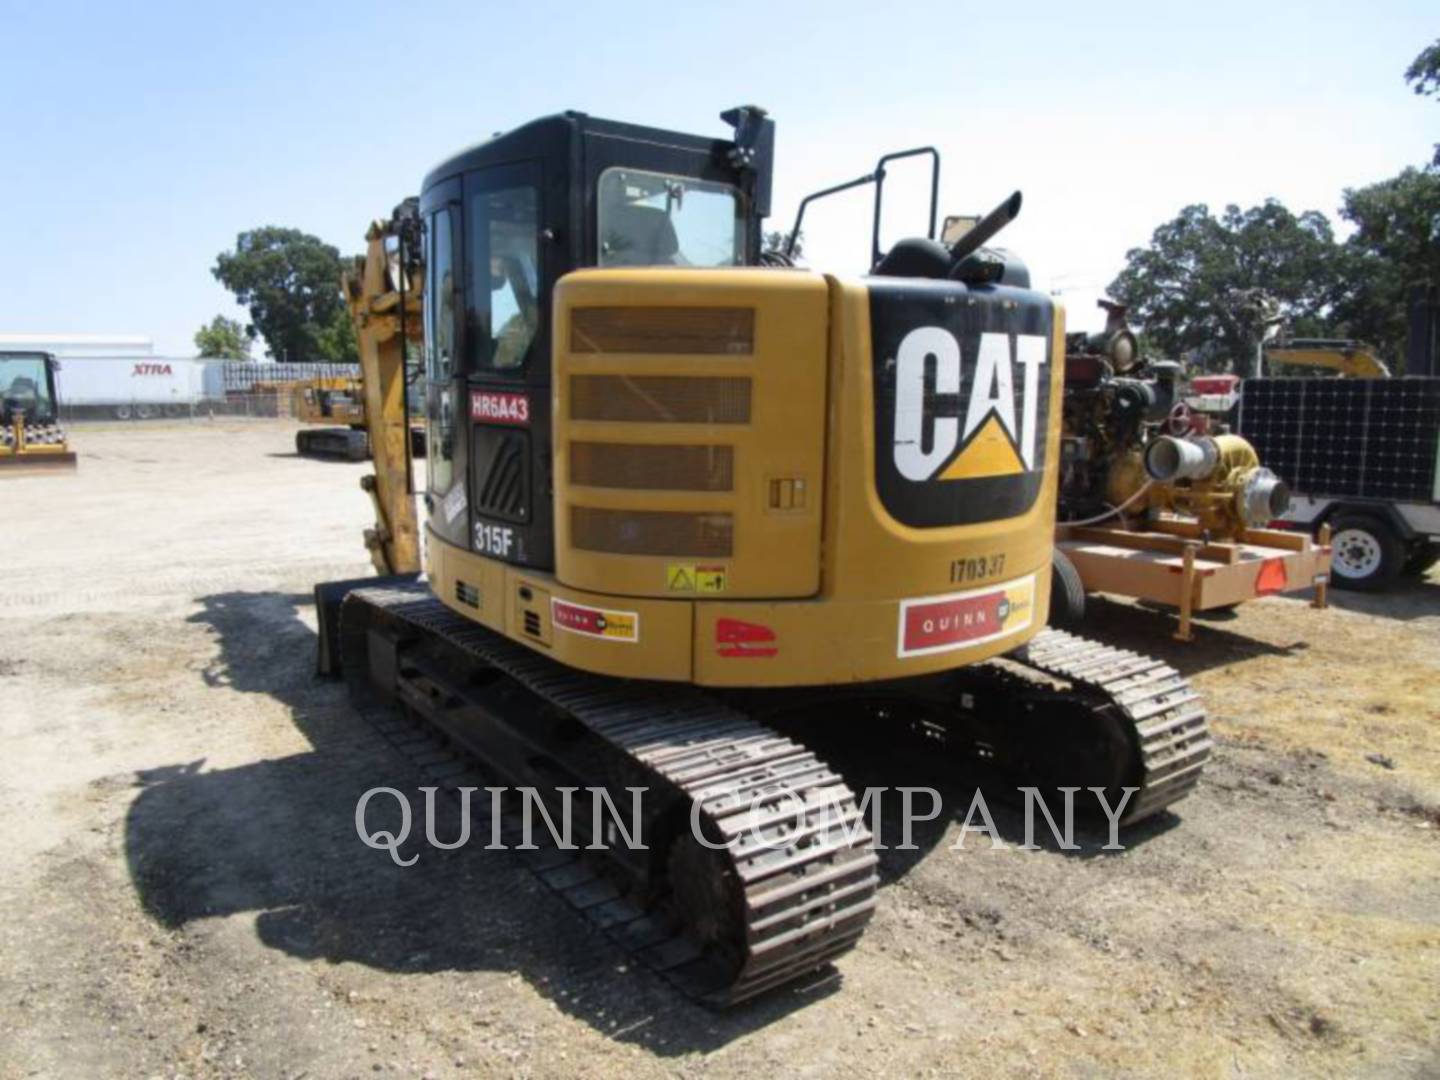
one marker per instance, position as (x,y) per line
(504,276)
(440,350)
(653,219)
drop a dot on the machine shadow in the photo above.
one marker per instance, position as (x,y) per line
(1406,600)
(947,790)
(1151,630)
(277,838)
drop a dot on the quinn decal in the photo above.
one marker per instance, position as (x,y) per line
(936,624)
(595,622)
(499,407)
(991,428)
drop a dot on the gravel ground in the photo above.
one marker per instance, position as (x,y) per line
(185,894)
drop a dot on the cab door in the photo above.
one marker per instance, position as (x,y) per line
(445,496)
(507,406)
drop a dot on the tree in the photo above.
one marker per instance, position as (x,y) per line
(1182,288)
(776,240)
(337,340)
(223,338)
(1423,75)
(1395,248)
(290,282)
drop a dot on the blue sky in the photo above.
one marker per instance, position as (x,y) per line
(141,138)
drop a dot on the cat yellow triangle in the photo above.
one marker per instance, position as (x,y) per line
(990,453)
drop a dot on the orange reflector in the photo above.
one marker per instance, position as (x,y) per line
(1271,578)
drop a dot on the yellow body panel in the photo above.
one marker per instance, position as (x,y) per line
(820,593)
(776,553)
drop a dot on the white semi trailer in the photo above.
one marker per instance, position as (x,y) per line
(138,387)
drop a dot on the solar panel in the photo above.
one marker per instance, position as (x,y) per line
(1369,438)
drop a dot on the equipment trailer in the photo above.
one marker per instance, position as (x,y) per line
(679,497)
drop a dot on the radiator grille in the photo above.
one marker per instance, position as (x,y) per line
(654,468)
(651,532)
(702,331)
(662,399)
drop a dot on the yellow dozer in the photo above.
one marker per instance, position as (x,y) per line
(31,438)
(684,500)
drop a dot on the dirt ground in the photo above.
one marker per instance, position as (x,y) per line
(184,892)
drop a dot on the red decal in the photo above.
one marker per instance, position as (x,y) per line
(1271,578)
(948,622)
(499,407)
(150,368)
(736,638)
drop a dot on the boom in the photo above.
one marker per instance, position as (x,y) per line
(383,294)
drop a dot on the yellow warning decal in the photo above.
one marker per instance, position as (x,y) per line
(687,577)
(710,579)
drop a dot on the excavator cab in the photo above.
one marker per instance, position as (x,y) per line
(503,223)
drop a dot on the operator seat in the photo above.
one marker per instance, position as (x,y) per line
(640,236)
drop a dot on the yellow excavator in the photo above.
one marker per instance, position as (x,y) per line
(1344,357)
(31,438)
(328,403)
(337,404)
(684,499)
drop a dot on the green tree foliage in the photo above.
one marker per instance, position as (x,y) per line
(223,338)
(1395,247)
(1182,288)
(290,282)
(337,340)
(1423,75)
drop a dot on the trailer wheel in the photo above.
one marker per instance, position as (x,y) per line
(1424,555)
(1365,552)
(122,412)
(1067,592)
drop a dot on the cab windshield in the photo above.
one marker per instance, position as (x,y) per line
(652,219)
(25,387)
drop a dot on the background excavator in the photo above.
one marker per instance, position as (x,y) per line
(683,500)
(330,403)
(1342,356)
